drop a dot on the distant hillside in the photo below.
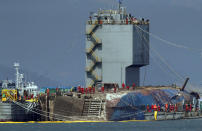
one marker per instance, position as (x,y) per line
(40,80)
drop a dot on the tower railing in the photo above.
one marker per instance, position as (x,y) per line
(131,21)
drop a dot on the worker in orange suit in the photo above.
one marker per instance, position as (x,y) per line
(152,107)
(86,90)
(123,85)
(89,88)
(186,108)
(176,108)
(102,89)
(166,107)
(134,86)
(190,107)
(82,90)
(93,89)
(114,89)
(159,108)
(155,107)
(148,108)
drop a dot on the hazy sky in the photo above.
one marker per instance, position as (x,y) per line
(47,36)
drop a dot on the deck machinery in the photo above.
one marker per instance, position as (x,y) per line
(116,47)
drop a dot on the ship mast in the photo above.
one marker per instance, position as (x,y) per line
(17,65)
(119,4)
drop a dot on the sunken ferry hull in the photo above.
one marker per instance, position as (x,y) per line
(15,112)
(133,105)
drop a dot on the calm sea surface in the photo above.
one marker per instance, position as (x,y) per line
(175,125)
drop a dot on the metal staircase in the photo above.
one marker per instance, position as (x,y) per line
(92,46)
(95,76)
(92,107)
(92,28)
(95,41)
(90,67)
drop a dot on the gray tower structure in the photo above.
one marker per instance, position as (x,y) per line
(116,47)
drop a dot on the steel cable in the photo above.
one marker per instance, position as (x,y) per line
(168,42)
(23,105)
(160,57)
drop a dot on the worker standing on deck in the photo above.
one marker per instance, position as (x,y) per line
(152,107)
(166,107)
(114,89)
(134,86)
(155,112)
(148,108)
(186,108)
(159,108)
(123,85)
(155,107)
(102,89)
(93,90)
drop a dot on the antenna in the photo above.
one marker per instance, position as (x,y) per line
(120,2)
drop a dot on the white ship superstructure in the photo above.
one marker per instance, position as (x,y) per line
(28,87)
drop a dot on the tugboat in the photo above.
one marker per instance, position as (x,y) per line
(19,99)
